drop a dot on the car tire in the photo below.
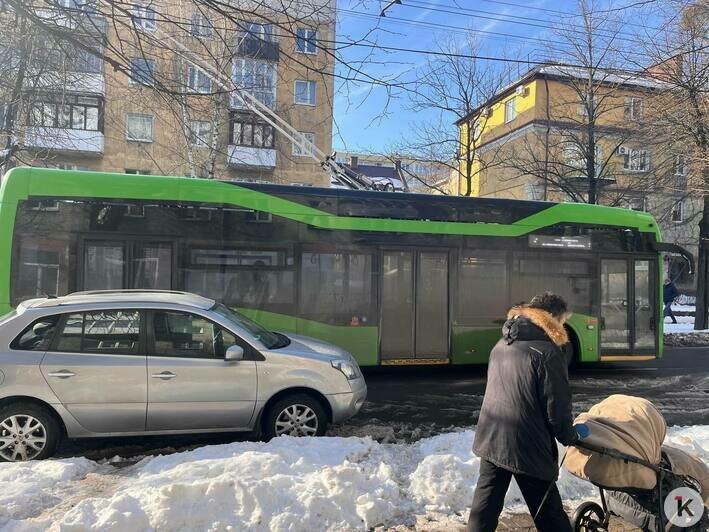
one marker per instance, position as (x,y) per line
(295,415)
(16,445)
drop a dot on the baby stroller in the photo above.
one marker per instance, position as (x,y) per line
(641,508)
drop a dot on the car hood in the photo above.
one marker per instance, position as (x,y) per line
(306,346)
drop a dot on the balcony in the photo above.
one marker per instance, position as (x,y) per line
(251,157)
(258,48)
(81,21)
(79,82)
(77,141)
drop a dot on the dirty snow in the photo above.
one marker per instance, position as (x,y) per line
(331,483)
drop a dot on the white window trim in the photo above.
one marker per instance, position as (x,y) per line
(295,149)
(152,128)
(684,165)
(314,40)
(310,83)
(630,105)
(629,158)
(679,204)
(200,141)
(513,102)
(190,78)
(138,13)
(205,30)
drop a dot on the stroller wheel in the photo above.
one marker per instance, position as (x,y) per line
(589,517)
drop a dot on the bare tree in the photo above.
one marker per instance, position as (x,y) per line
(678,53)
(451,87)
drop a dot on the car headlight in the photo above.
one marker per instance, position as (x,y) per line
(349,369)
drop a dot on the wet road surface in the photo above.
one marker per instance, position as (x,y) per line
(411,403)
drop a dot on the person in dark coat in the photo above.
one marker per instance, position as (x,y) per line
(527,405)
(669,294)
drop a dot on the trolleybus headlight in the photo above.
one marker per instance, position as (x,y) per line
(346,367)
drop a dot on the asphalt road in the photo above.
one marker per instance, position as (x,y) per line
(411,403)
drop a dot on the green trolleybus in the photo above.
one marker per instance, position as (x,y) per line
(393,278)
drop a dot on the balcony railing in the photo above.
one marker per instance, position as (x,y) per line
(251,157)
(64,140)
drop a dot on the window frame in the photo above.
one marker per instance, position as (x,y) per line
(639,155)
(196,140)
(70,102)
(254,122)
(312,94)
(193,77)
(295,148)
(309,37)
(630,109)
(150,336)
(201,26)
(136,81)
(144,17)
(152,128)
(682,165)
(510,104)
(141,351)
(679,204)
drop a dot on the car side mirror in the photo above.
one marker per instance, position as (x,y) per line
(234,353)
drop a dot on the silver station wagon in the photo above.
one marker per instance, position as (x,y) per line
(132,362)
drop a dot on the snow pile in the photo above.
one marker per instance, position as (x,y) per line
(30,487)
(287,484)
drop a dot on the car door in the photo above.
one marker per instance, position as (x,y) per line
(96,366)
(190,384)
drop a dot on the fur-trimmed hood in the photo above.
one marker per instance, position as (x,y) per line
(542,319)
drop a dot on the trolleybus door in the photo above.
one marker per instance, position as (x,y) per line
(414,305)
(628,311)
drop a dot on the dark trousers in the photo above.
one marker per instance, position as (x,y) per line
(490,496)
(668,312)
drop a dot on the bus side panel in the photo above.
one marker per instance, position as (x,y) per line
(472,345)
(586,330)
(362,342)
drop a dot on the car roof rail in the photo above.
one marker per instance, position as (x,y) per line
(128,291)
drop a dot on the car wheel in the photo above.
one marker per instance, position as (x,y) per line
(295,415)
(27,432)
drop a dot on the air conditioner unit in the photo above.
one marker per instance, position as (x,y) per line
(487,112)
(622,150)
(521,91)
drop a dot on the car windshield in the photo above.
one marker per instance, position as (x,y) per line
(270,339)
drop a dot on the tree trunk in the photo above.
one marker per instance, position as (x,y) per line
(702,274)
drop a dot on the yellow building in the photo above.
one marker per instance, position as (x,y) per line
(534,139)
(96,117)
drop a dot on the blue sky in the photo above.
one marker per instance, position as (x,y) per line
(365,118)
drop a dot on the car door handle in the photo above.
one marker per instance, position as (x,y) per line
(165,375)
(63,374)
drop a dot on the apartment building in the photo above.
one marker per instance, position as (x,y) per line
(168,99)
(531,141)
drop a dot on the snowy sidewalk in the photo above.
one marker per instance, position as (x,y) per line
(286,484)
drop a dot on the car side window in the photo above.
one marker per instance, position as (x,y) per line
(180,334)
(37,336)
(102,331)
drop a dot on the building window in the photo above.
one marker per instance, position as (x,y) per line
(633,108)
(306,41)
(582,107)
(144,17)
(510,109)
(635,204)
(257,77)
(680,165)
(247,131)
(199,133)
(677,212)
(142,71)
(201,26)
(43,205)
(137,172)
(69,112)
(306,148)
(636,160)
(85,61)
(305,92)
(254,30)
(198,81)
(139,128)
